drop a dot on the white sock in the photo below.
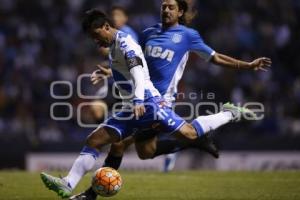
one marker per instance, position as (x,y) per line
(204,124)
(83,164)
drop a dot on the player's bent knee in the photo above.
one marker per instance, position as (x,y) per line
(93,141)
(117,149)
(101,137)
(145,155)
(188,132)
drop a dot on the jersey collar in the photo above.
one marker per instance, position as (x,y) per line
(114,38)
(160,30)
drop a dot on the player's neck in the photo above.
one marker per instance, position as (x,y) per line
(167,26)
(113,34)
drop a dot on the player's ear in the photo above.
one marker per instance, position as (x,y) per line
(180,13)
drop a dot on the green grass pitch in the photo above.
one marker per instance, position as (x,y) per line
(190,185)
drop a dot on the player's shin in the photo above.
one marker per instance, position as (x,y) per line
(115,155)
(83,164)
(113,161)
(168,145)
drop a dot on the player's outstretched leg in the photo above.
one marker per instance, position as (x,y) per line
(195,135)
(84,163)
(229,113)
(64,186)
(113,160)
(210,122)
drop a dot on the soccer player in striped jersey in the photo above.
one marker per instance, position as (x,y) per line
(167,47)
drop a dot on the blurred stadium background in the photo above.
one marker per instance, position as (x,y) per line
(41,42)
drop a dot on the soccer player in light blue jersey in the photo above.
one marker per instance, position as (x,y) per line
(167,46)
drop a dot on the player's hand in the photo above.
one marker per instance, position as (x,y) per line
(139,110)
(100,74)
(261,64)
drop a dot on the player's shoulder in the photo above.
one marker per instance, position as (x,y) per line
(126,29)
(121,35)
(187,30)
(191,33)
(124,38)
(152,29)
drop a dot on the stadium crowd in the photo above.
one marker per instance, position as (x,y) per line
(42,42)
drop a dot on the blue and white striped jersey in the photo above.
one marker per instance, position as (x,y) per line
(121,51)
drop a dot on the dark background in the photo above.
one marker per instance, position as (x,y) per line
(41,41)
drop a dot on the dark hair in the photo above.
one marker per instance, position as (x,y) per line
(121,8)
(94,19)
(187,15)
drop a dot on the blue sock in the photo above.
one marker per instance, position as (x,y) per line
(89,150)
(198,127)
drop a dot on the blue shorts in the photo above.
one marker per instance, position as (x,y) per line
(157,117)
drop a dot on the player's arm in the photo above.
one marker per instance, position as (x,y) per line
(135,66)
(227,61)
(204,51)
(136,70)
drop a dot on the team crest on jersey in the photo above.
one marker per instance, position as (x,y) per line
(176,38)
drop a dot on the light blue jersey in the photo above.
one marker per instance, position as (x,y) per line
(166,53)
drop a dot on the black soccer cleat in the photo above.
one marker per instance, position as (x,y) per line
(89,194)
(207,144)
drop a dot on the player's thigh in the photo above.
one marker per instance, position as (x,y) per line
(118,148)
(101,137)
(172,123)
(122,123)
(169,121)
(146,148)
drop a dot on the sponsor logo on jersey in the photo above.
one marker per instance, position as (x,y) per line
(158,52)
(176,38)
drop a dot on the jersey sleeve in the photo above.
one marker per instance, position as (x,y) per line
(132,53)
(129,47)
(198,46)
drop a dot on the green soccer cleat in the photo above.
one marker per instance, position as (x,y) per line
(58,185)
(239,112)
